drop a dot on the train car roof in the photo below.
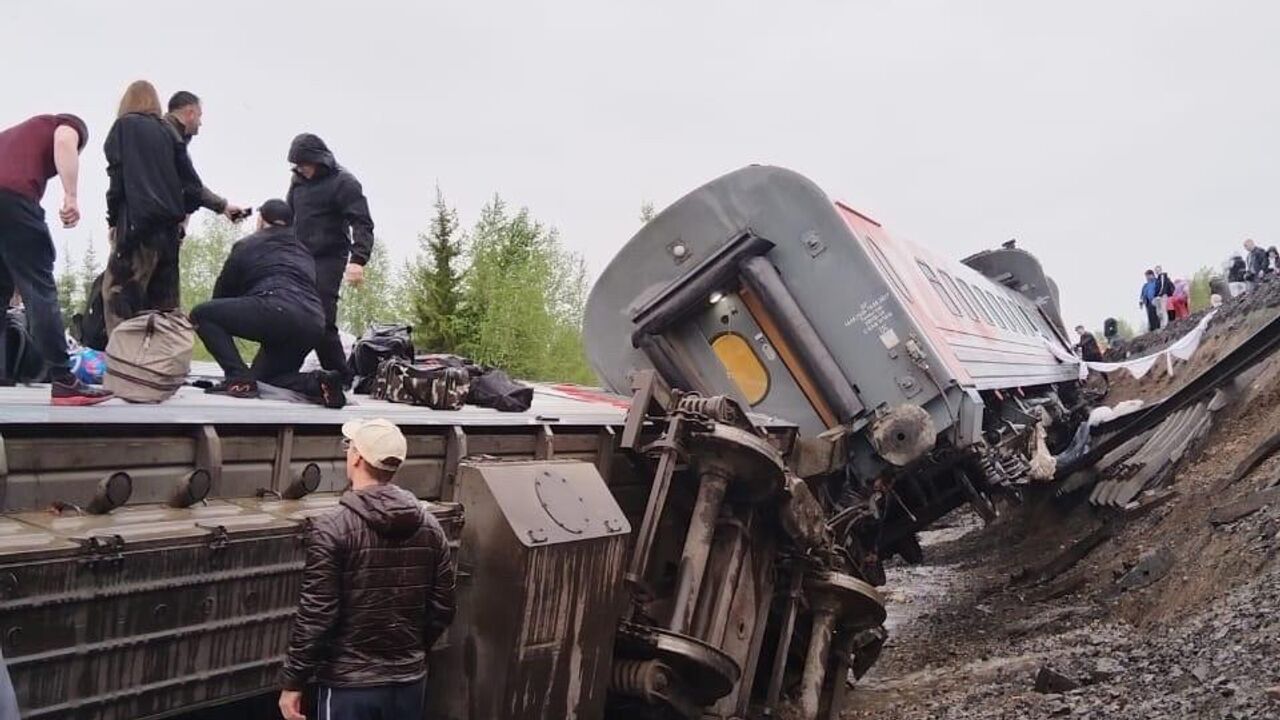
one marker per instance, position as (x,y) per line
(552,404)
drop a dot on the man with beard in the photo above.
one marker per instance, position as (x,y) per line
(331,219)
(185,116)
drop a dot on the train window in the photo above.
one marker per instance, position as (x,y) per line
(1022,321)
(1007,318)
(886,269)
(1022,326)
(964,301)
(1035,329)
(973,298)
(744,368)
(990,300)
(941,289)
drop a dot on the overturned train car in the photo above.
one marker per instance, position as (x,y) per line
(918,383)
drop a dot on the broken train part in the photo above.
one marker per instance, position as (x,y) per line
(919,384)
(703,635)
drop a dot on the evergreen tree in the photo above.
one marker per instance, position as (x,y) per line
(434,282)
(646,212)
(68,284)
(523,296)
(89,270)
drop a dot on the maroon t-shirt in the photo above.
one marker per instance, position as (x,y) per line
(26,153)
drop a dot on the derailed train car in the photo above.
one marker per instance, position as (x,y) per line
(918,383)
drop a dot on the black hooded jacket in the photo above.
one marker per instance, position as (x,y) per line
(377,592)
(271,261)
(330,212)
(152,180)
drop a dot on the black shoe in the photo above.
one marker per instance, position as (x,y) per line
(331,390)
(244,389)
(218,388)
(71,392)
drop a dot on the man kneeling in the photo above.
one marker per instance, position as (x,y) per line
(267,292)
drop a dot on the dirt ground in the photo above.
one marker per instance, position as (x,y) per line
(1170,616)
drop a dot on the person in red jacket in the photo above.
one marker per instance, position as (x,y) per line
(31,153)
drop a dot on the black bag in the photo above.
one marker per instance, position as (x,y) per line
(90,327)
(493,389)
(440,387)
(378,344)
(20,362)
(490,387)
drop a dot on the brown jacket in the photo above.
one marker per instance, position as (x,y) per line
(377,592)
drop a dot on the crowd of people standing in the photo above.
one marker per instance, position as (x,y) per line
(310,242)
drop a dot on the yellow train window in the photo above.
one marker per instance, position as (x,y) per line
(744,368)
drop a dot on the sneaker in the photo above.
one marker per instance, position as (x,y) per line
(245,389)
(331,390)
(72,392)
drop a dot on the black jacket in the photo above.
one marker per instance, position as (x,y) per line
(152,181)
(271,262)
(1166,285)
(330,213)
(1258,262)
(208,198)
(377,592)
(1090,351)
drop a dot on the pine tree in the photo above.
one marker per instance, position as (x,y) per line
(89,271)
(434,282)
(68,287)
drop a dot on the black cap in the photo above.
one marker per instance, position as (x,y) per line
(276,212)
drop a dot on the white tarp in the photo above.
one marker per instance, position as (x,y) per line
(1183,349)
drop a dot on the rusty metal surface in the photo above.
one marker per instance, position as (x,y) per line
(152,610)
(537,613)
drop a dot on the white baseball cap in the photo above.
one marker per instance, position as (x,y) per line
(378,441)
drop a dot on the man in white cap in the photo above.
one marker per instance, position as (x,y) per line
(377,592)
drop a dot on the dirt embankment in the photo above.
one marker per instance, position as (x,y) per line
(1165,614)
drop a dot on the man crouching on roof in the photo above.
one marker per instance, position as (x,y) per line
(267,292)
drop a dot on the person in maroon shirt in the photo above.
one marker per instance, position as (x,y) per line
(31,152)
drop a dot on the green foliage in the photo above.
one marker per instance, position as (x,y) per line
(379,299)
(434,282)
(507,294)
(1199,291)
(89,270)
(523,298)
(69,292)
(199,262)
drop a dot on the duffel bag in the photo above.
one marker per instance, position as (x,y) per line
(379,343)
(149,356)
(438,387)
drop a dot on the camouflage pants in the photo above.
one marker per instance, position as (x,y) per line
(142,274)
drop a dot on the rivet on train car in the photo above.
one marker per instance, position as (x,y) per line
(191,489)
(207,606)
(113,491)
(716,297)
(160,611)
(306,483)
(12,638)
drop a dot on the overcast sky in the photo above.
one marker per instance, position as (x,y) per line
(1105,136)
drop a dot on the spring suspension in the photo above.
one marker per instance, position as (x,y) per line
(646,679)
(719,408)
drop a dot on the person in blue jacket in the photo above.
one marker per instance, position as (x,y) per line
(1147,299)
